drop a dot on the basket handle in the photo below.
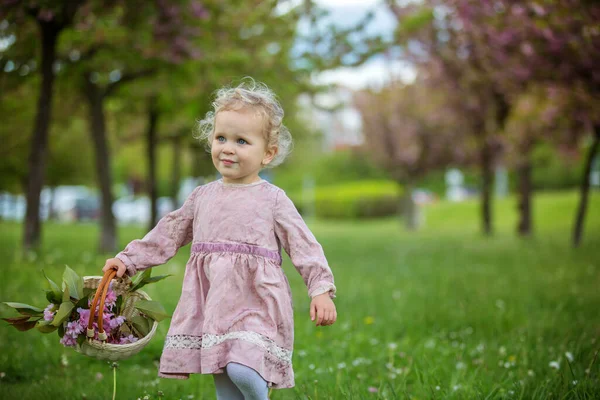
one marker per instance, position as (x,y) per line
(101,293)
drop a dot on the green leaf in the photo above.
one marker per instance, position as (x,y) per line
(61,330)
(25,309)
(83,303)
(66,294)
(141,325)
(52,297)
(118,305)
(63,313)
(80,339)
(74,282)
(152,309)
(150,280)
(139,278)
(45,327)
(22,323)
(87,291)
(53,288)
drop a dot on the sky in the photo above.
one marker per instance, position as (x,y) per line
(377,70)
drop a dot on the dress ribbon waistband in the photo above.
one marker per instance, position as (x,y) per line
(204,247)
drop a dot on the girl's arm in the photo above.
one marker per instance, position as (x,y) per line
(300,244)
(173,231)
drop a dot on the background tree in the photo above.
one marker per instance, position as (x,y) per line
(549,43)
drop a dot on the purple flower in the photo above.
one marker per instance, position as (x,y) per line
(111,298)
(128,339)
(68,341)
(116,322)
(48,313)
(84,316)
(73,329)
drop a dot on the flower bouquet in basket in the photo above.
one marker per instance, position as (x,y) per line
(101,317)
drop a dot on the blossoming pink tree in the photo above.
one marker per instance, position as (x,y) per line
(544,43)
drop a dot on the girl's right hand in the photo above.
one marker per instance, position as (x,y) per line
(115,263)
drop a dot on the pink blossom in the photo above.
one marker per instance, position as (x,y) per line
(373,389)
(49,313)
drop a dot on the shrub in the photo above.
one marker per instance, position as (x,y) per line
(361,199)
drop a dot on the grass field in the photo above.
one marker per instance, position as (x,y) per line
(440,314)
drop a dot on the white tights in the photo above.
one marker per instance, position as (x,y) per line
(239,382)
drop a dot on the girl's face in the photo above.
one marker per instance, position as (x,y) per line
(239,148)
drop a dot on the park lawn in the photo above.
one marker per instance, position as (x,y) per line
(443,313)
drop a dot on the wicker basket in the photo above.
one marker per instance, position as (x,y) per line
(114,352)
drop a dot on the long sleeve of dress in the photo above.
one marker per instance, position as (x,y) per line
(301,245)
(173,231)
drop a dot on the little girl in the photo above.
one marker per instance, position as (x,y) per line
(235,318)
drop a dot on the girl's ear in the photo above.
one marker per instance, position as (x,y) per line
(270,153)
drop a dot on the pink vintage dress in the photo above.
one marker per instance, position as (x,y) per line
(236,303)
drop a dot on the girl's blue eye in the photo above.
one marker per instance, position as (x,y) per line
(242,141)
(220,138)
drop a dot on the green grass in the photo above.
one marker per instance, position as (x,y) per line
(444,313)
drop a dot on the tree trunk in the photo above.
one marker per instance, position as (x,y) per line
(487,177)
(525,226)
(176,171)
(585,188)
(95,98)
(39,140)
(409,209)
(151,152)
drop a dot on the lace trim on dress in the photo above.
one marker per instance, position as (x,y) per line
(209,340)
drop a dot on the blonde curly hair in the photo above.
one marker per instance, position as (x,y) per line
(250,93)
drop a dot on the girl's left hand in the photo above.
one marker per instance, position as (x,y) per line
(323,309)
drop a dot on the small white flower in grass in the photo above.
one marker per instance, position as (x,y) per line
(374,341)
(430,344)
(392,375)
(389,365)
(2,375)
(569,356)
(64,361)
(554,364)
(99,376)
(480,347)
(190,396)
(437,388)
(302,353)
(341,365)
(311,366)
(455,388)
(460,365)
(502,350)
(530,372)
(574,382)
(392,346)
(507,365)
(396,294)
(511,392)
